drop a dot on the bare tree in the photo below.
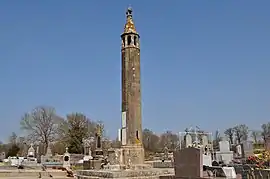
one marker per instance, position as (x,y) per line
(150,140)
(255,135)
(229,133)
(41,124)
(13,138)
(241,133)
(169,140)
(265,131)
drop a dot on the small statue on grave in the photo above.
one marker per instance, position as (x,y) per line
(86,146)
(87,150)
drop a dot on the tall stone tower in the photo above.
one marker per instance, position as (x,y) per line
(131,133)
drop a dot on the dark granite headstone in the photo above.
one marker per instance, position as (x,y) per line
(188,163)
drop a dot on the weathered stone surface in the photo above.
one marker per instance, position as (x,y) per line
(114,156)
(95,164)
(30,173)
(87,165)
(132,154)
(188,162)
(131,96)
(160,164)
(125,173)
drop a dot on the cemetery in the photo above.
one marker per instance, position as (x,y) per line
(195,156)
(195,159)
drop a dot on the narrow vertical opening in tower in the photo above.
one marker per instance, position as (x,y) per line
(129,40)
(137,135)
(123,41)
(135,40)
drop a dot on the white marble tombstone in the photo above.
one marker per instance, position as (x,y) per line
(66,159)
(188,140)
(224,146)
(239,150)
(207,160)
(224,154)
(229,172)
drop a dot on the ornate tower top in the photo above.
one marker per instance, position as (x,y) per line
(129,26)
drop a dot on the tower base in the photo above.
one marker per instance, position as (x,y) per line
(132,155)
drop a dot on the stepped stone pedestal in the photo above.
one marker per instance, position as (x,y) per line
(125,174)
(132,155)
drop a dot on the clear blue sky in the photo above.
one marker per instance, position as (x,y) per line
(204,63)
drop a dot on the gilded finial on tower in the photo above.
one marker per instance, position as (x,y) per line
(129,27)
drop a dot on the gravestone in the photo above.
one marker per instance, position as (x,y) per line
(188,140)
(31,152)
(48,157)
(87,149)
(239,150)
(188,163)
(247,149)
(2,156)
(207,160)
(224,146)
(224,154)
(66,159)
